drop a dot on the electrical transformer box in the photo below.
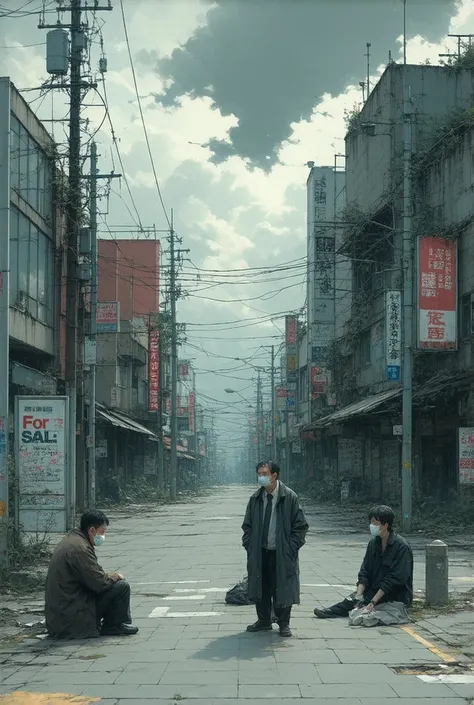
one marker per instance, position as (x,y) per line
(57,52)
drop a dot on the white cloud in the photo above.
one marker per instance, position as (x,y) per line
(229,216)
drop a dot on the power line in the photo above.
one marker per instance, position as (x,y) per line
(145,131)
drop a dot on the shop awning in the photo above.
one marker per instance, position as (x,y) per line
(122,421)
(359,408)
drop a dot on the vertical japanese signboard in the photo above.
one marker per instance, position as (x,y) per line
(280,395)
(191,405)
(466,456)
(108,317)
(393,335)
(183,370)
(290,330)
(437,293)
(153,370)
(291,327)
(41,445)
(318,381)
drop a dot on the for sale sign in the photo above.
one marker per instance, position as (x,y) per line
(41,435)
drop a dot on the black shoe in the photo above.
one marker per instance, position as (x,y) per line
(120,630)
(285,631)
(325,614)
(260,627)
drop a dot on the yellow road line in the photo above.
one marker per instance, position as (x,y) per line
(431,647)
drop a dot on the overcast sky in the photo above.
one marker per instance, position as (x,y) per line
(259,87)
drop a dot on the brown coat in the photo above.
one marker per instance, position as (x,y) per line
(73,581)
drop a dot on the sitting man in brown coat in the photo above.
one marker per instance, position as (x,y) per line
(82,600)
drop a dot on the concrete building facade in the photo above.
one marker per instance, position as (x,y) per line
(360,441)
(36,220)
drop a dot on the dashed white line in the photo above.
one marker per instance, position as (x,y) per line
(184,597)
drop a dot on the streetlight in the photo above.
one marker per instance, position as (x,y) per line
(234,391)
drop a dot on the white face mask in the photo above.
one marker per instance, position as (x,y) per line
(264,480)
(374,530)
(99,539)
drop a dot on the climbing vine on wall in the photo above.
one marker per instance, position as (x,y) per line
(447,138)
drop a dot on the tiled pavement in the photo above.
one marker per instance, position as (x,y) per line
(180,560)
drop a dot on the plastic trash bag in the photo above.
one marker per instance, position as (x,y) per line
(238,595)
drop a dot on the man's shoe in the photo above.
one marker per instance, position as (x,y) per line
(260,627)
(285,631)
(120,630)
(325,614)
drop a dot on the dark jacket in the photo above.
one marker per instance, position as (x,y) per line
(291,528)
(73,581)
(390,570)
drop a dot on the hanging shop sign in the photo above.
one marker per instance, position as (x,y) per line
(280,393)
(466,456)
(393,335)
(108,317)
(153,370)
(437,293)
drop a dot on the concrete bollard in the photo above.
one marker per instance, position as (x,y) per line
(437,569)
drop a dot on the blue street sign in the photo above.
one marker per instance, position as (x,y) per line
(393,373)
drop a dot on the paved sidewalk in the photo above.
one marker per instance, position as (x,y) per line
(180,561)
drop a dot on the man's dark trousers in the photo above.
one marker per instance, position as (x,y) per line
(342,609)
(264,607)
(113,606)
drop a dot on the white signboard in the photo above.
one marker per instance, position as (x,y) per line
(466,456)
(393,335)
(41,443)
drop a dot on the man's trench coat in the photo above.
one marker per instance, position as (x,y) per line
(291,529)
(73,582)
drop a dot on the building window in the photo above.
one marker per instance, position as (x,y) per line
(365,340)
(466,316)
(303,384)
(29,170)
(31,268)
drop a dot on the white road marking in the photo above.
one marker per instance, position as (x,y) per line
(159,612)
(458,678)
(175,582)
(320,585)
(194,614)
(183,590)
(184,597)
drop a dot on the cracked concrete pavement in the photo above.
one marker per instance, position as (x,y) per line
(180,561)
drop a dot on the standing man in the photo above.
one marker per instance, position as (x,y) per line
(274,530)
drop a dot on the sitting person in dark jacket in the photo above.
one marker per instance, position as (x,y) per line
(83,600)
(386,574)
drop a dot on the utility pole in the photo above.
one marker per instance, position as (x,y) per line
(287,444)
(259,417)
(408,251)
(174,254)
(174,367)
(404,32)
(93,325)
(73,216)
(274,448)
(89,444)
(4,312)
(76,486)
(159,413)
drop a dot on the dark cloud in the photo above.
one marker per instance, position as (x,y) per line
(269,61)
